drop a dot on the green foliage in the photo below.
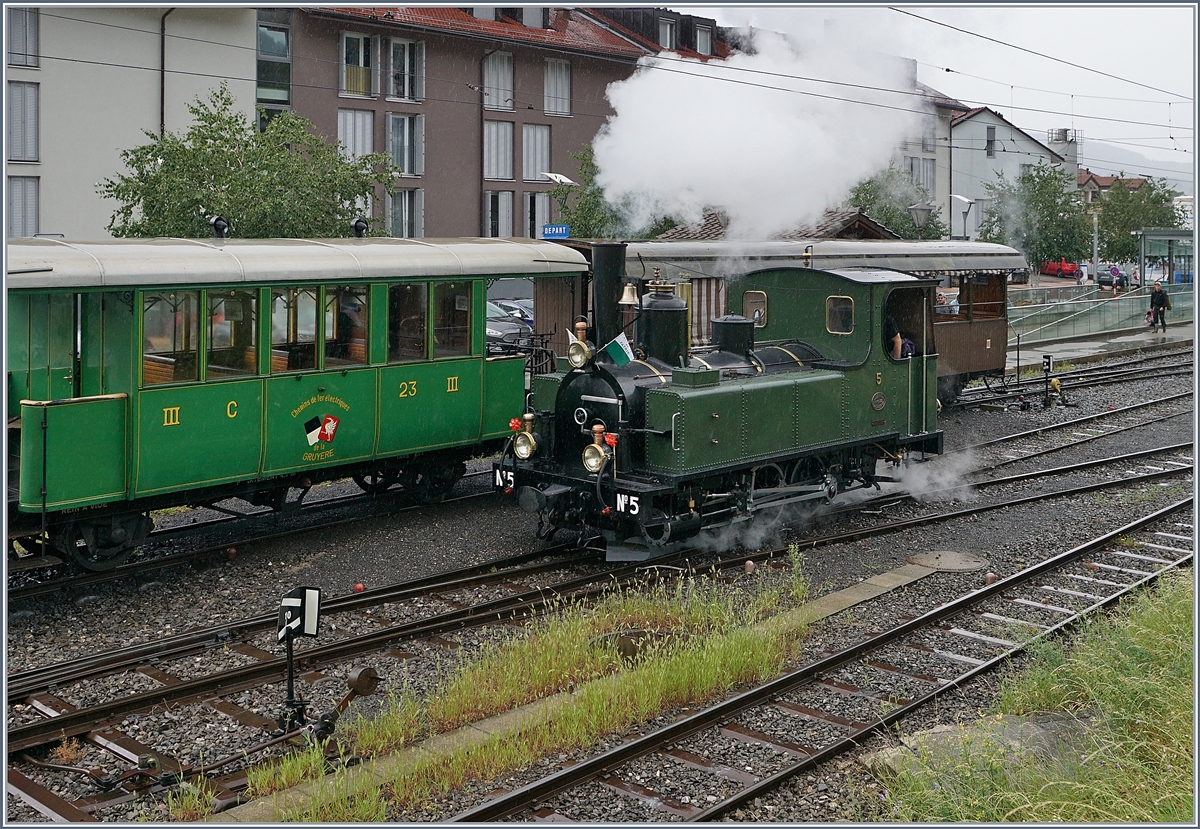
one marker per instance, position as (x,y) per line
(590,215)
(1040,214)
(285,181)
(1125,210)
(886,197)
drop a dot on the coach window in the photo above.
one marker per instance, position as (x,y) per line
(754,307)
(452,319)
(232,333)
(293,329)
(345,325)
(170,336)
(407,322)
(839,315)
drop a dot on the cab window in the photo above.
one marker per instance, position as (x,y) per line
(232,333)
(452,319)
(170,337)
(754,307)
(293,329)
(839,315)
(407,322)
(345,325)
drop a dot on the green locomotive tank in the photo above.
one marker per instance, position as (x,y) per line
(155,373)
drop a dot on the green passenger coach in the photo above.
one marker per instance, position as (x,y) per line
(154,373)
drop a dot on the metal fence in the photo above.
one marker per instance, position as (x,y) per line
(1061,313)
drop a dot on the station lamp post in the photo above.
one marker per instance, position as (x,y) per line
(920,213)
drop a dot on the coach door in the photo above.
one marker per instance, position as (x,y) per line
(42,344)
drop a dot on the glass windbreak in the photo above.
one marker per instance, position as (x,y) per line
(170,336)
(232,330)
(345,325)
(839,315)
(293,329)
(452,319)
(407,321)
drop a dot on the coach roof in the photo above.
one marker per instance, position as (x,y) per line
(34,263)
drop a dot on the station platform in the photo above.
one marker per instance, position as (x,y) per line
(1102,346)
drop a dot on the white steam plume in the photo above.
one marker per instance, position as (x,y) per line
(771,152)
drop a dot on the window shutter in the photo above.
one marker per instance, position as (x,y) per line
(31,121)
(542,214)
(527,218)
(486,214)
(506,213)
(16,37)
(418,138)
(418,209)
(417,51)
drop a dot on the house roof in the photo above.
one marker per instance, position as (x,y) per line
(1084,176)
(969,114)
(833,224)
(721,49)
(940,98)
(568,30)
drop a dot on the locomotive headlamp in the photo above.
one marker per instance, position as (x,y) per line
(524,444)
(578,354)
(593,458)
(595,453)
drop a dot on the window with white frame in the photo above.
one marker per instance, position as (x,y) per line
(557,98)
(498,81)
(406,214)
(929,136)
(990,147)
(498,150)
(535,152)
(406,75)
(22,206)
(22,121)
(22,37)
(922,170)
(704,40)
(356,131)
(357,76)
(406,142)
(1026,169)
(537,214)
(497,213)
(666,33)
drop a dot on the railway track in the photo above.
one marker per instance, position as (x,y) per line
(102,724)
(793,716)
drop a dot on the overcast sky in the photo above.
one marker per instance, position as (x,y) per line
(1135,46)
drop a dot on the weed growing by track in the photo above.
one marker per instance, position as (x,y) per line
(707,642)
(1128,681)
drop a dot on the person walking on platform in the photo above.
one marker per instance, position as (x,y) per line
(1160,303)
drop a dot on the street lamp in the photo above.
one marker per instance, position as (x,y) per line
(920,215)
(966,212)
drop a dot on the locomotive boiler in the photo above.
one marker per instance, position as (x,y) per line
(798,400)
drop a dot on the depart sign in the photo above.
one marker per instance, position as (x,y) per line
(556,231)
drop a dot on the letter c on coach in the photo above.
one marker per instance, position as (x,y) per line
(231,409)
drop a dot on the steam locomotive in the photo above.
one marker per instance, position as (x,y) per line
(802,396)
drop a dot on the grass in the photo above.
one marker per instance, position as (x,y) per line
(710,645)
(1128,678)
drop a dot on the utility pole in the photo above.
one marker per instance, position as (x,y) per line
(1095,240)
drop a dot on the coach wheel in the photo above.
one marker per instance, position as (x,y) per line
(377,480)
(105,544)
(437,479)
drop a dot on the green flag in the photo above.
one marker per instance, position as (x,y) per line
(619,350)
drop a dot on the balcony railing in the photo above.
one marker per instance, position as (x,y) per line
(358,80)
(1078,312)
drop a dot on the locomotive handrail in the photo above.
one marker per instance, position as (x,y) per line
(64,401)
(674,448)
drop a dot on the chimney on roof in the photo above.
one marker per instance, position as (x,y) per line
(484,13)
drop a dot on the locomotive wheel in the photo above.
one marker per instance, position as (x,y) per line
(437,479)
(105,544)
(377,480)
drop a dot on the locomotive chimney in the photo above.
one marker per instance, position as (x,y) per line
(608,268)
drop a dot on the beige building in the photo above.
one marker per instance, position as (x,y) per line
(83,84)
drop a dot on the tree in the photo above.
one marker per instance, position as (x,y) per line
(284,181)
(590,215)
(1124,210)
(886,197)
(1040,214)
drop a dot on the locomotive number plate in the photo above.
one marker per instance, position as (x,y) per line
(628,504)
(878,401)
(504,478)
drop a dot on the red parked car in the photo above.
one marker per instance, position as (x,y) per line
(1062,268)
